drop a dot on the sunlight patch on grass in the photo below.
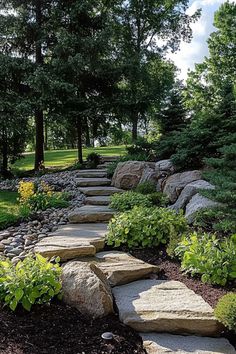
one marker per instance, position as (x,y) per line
(63,158)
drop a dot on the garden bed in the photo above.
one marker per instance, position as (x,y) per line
(61,329)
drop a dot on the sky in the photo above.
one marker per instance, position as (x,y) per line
(194,52)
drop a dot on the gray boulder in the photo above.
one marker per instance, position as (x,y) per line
(197,203)
(175,184)
(188,192)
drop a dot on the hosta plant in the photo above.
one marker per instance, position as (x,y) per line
(206,255)
(145,227)
(34,280)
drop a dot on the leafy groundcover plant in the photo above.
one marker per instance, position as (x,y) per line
(206,255)
(145,227)
(225,311)
(31,281)
(128,200)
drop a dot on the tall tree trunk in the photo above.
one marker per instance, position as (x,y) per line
(39,121)
(134,127)
(39,147)
(46,135)
(79,140)
(4,152)
(87,134)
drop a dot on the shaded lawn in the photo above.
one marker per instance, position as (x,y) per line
(9,208)
(64,158)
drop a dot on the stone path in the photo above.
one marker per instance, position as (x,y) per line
(153,307)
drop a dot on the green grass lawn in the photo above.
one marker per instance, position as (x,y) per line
(62,158)
(9,208)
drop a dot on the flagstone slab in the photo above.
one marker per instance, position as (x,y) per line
(91,182)
(98,200)
(91,213)
(92,233)
(92,173)
(94,191)
(168,343)
(164,306)
(122,268)
(64,247)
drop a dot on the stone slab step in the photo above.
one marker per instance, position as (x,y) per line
(103,165)
(164,306)
(91,213)
(109,158)
(93,182)
(122,268)
(68,248)
(98,200)
(168,343)
(92,173)
(101,191)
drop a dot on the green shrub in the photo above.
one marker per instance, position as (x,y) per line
(225,311)
(93,159)
(158,199)
(143,147)
(76,166)
(146,188)
(128,200)
(205,255)
(145,227)
(31,281)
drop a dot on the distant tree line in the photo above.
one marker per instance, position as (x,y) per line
(74,71)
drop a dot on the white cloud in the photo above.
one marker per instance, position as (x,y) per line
(194,52)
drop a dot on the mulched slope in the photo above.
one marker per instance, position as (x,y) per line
(61,329)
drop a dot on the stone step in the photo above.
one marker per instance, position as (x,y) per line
(91,213)
(164,306)
(103,165)
(98,200)
(109,158)
(72,241)
(168,343)
(122,268)
(92,173)
(91,182)
(101,191)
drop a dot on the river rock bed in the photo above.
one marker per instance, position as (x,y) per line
(17,241)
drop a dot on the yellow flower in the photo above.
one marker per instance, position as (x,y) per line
(26,191)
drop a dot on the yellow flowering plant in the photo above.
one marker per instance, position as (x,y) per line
(40,196)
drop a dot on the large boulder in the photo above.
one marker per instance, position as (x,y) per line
(175,184)
(188,192)
(196,204)
(164,168)
(85,287)
(128,174)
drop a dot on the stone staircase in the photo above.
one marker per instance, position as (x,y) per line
(169,317)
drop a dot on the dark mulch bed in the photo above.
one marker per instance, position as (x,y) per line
(60,329)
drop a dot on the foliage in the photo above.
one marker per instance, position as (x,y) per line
(223,176)
(158,199)
(141,147)
(76,166)
(211,258)
(225,311)
(40,197)
(93,159)
(144,227)
(31,281)
(126,201)
(146,188)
